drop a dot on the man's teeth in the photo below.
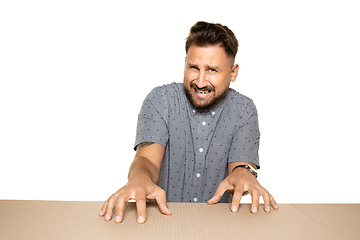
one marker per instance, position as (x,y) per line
(203,92)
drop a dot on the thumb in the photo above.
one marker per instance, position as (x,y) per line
(223,187)
(217,196)
(164,209)
(161,201)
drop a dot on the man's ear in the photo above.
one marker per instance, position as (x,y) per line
(234,72)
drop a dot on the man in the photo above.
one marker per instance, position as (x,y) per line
(196,141)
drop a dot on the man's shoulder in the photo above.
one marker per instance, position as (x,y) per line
(170,87)
(166,95)
(239,106)
(166,89)
(238,98)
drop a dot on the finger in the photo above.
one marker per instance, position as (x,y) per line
(109,208)
(141,207)
(218,194)
(161,201)
(102,211)
(238,192)
(266,196)
(119,209)
(255,196)
(273,202)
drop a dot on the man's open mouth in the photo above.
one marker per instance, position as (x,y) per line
(202,92)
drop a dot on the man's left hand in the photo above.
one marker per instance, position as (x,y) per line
(241,181)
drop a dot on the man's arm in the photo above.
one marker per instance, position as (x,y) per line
(239,181)
(142,179)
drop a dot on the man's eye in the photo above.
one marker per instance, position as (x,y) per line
(193,67)
(212,70)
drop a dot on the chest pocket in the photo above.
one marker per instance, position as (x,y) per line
(218,154)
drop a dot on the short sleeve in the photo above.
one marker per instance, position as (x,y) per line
(245,143)
(151,125)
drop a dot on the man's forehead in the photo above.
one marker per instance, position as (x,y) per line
(212,55)
(207,46)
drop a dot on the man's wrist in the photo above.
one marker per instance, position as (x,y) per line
(248,167)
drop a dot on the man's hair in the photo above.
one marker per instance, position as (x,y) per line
(203,34)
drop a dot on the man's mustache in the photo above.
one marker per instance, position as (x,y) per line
(206,88)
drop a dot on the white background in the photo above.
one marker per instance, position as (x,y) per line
(74,74)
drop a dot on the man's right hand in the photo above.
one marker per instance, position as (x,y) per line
(143,174)
(138,191)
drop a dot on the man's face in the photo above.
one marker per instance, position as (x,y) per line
(207,75)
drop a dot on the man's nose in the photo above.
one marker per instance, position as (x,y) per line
(201,80)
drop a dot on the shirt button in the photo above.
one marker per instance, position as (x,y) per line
(195,199)
(203,123)
(212,113)
(201,150)
(198,175)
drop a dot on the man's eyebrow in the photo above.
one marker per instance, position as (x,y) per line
(216,67)
(190,64)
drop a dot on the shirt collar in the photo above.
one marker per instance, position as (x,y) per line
(212,112)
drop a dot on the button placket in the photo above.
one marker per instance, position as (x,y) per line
(201,143)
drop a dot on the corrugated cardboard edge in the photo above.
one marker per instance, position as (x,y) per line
(80,220)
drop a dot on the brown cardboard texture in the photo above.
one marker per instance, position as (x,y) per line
(80,220)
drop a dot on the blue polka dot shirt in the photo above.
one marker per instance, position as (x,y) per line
(198,145)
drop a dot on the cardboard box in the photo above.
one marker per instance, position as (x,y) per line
(80,220)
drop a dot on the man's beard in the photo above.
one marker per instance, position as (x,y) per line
(207,105)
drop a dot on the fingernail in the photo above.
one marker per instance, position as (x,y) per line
(101,212)
(141,219)
(117,219)
(268,208)
(234,209)
(106,217)
(254,210)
